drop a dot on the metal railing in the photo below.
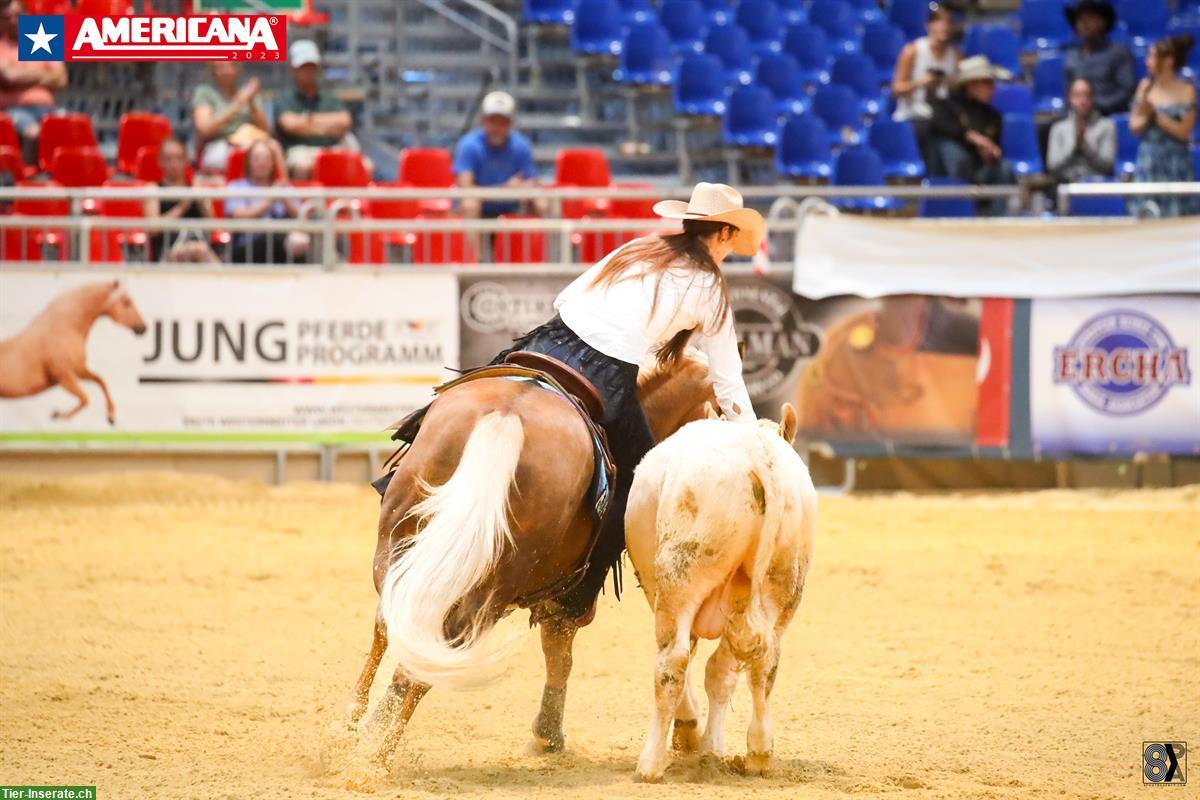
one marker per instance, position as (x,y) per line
(1175,188)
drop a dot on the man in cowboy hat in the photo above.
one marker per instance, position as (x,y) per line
(966,128)
(1106,65)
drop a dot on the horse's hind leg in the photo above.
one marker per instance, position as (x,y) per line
(395,709)
(362,689)
(68,381)
(558,637)
(88,375)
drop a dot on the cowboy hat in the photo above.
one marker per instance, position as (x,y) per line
(716,202)
(1100,8)
(978,68)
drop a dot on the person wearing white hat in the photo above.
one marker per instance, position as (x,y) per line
(966,129)
(648,300)
(309,117)
(495,155)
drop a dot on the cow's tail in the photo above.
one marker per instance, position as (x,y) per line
(759,624)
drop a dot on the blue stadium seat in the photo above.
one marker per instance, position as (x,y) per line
(866,10)
(839,22)
(597,28)
(998,42)
(720,12)
(700,86)
(1013,98)
(686,22)
(955,207)
(780,75)
(860,166)
(858,72)
(636,11)
(750,120)
(803,150)
(763,23)
(837,106)
(645,56)
(1105,206)
(1049,91)
(909,16)
(1019,142)
(1146,20)
(897,146)
(1127,146)
(1043,25)
(882,42)
(794,11)
(1196,163)
(731,44)
(549,12)
(810,47)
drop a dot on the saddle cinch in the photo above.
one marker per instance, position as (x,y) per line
(552,375)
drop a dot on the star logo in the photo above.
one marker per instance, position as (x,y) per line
(41,40)
(40,37)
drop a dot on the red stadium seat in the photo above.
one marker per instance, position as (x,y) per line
(582,166)
(78,166)
(63,130)
(109,245)
(8,133)
(104,8)
(307,16)
(392,209)
(136,130)
(519,247)
(340,168)
(428,168)
(10,162)
(235,166)
(148,169)
(47,6)
(26,244)
(441,247)
(594,246)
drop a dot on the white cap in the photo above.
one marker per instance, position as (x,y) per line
(304,51)
(500,103)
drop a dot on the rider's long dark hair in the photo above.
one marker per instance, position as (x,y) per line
(658,253)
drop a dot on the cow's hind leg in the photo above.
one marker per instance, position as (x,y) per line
(673,634)
(720,679)
(685,737)
(558,637)
(362,689)
(760,735)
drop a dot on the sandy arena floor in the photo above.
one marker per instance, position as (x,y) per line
(172,637)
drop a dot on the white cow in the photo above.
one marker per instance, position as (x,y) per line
(720,530)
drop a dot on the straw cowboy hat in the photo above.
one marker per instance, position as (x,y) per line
(716,202)
(978,68)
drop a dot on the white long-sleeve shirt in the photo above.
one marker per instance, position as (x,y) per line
(616,320)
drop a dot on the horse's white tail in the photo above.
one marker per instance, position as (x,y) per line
(463,529)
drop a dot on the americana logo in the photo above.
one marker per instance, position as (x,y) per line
(1121,362)
(74,37)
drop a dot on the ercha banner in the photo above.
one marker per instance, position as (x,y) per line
(220,353)
(1116,375)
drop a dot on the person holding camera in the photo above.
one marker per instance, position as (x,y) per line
(924,71)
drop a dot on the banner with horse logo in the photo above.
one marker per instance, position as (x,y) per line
(1116,375)
(220,354)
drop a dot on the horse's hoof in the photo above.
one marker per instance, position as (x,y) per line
(542,745)
(754,764)
(112,420)
(685,737)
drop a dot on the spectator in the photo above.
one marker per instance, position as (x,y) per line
(264,165)
(26,87)
(966,129)
(183,245)
(925,68)
(226,115)
(1084,145)
(495,155)
(1107,65)
(1164,116)
(310,118)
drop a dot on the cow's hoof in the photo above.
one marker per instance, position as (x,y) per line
(756,764)
(646,777)
(685,738)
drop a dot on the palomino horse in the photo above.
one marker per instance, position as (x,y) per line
(490,505)
(720,530)
(52,349)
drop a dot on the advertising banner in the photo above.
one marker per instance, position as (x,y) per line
(220,353)
(497,309)
(1116,375)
